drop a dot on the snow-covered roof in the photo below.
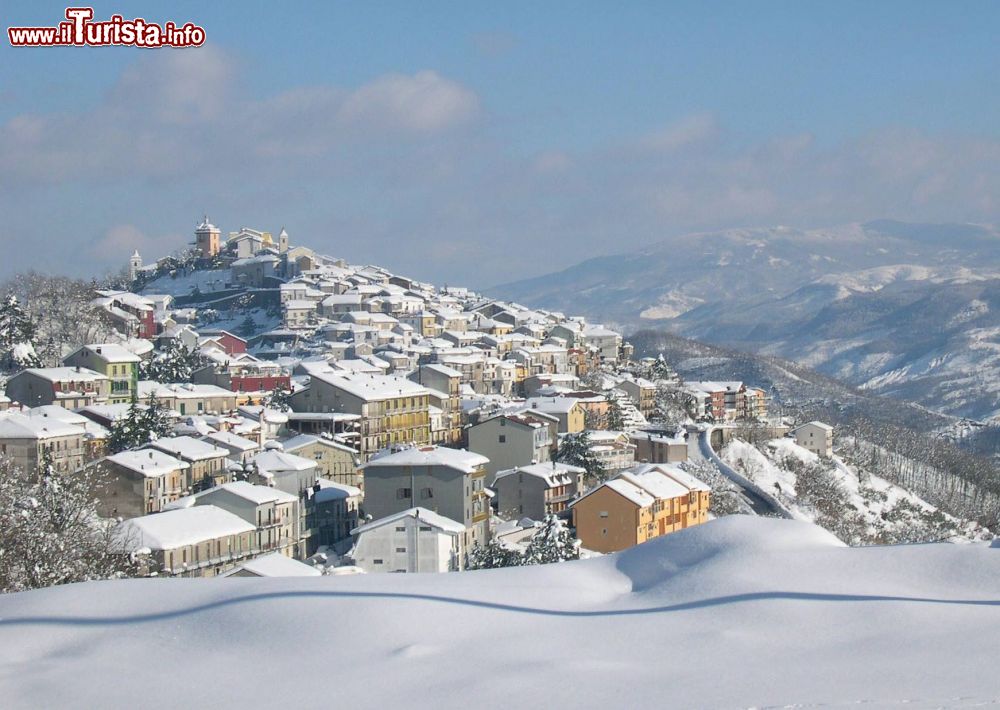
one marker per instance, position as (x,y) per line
(14,425)
(189,448)
(443,370)
(372,387)
(821,425)
(552,472)
(458,459)
(656,484)
(230,439)
(275,564)
(422,514)
(148,462)
(559,405)
(66,374)
(273,460)
(186,526)
(631,491)
(303,440)
(253,493)
(331,490)
(111,352)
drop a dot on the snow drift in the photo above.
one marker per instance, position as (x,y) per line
(735,613)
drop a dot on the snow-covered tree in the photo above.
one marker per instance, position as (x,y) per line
(279,399)
(17,335)
(552,543)
(574,449)
(52,533)
(175,363)
(672,404)
(660,370)
(139,426)
(492,555)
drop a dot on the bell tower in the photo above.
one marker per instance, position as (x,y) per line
(134,264)
(206,238)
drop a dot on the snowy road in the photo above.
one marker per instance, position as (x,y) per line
(700,448)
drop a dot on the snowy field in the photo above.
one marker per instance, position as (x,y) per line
(741,612)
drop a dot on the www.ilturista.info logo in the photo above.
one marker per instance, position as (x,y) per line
(80,31)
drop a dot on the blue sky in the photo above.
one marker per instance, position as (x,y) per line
(441,139)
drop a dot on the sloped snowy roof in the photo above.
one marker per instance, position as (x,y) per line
(273,460)
(148,462)
(459,459)
(186,526)
(373,387)
(14,425)
(553,473)
(331,490)
(422,514)
(189,448)
(276,564)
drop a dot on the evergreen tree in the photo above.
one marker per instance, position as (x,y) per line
(552,543)
(139,426)
(176,363)
(616,422)
(660,370)
(574,449)
(17,335)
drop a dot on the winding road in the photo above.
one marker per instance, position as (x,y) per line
(761,502)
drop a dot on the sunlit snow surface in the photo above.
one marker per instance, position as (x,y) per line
(740,612)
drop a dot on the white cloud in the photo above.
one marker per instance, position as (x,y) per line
(174,113)
(423,102)
(689,130)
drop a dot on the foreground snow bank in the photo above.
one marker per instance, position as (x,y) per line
(738,612)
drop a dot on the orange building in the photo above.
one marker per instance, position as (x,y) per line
(639,504)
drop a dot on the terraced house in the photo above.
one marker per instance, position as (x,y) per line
(114,362)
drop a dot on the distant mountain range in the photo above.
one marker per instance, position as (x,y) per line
(908,310)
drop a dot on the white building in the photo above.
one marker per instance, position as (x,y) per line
(816,437)
(413,540)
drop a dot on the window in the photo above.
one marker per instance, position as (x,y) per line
(402,493)
(603,514)
(400,529)
(400,549)
(503,438)
(425,528)
(426,493)
(376,562)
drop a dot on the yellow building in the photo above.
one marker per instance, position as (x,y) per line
(393,410)
(637,505)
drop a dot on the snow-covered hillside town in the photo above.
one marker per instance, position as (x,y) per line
(250,397)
